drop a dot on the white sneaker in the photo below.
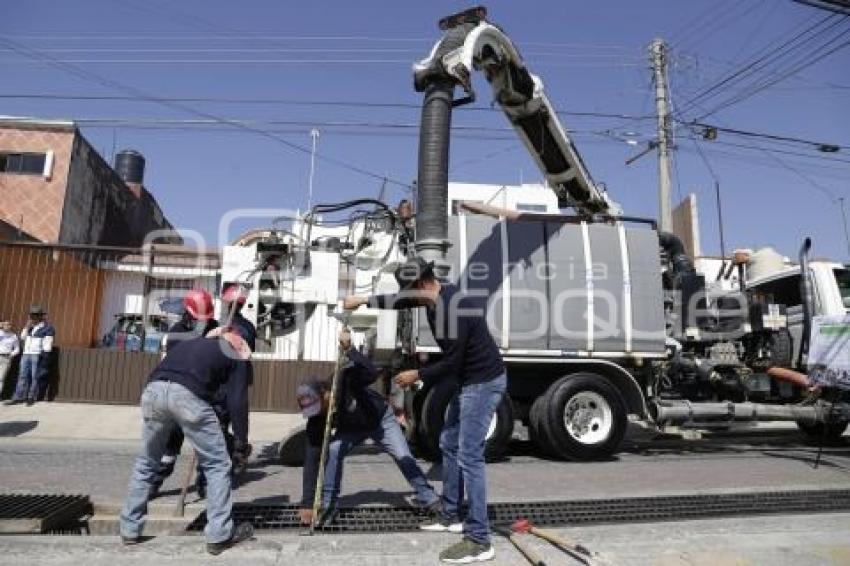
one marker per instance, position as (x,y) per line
(439,523)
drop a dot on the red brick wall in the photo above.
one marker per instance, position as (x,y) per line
(39,201)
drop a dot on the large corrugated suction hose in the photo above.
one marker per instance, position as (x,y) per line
(433,181)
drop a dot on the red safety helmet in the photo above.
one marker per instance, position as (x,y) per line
(199,304)
(234,293)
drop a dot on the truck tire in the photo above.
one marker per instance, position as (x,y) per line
(536,431)
(585,417)
(829,431)
(434,415)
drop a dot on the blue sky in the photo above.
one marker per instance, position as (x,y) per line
(592,56)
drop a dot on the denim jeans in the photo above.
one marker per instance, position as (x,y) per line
(165,405)
(31,376)
(462,443)
(389,435)
(5,366)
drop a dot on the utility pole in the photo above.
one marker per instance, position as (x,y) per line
(314,134)
(658,51)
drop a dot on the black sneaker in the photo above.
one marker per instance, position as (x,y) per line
(30,402)
(440,523)
(241,533)
(467,551)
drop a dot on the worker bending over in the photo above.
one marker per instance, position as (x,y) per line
(196,320)
(470,355)
(180,392)
(361,413)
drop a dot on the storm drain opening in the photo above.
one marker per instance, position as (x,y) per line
(41,513)
(560,513)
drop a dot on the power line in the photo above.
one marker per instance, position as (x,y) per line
(299,102)
(695,23)
(109,83)
(754,65)
(815,170)
(309,123)
(248,36)
(790,72)
(779,151)
(291,61)
(735,131)
(310,50)
(805,82)
(738,12)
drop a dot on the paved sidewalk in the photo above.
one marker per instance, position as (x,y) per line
(90,422)
(777,540)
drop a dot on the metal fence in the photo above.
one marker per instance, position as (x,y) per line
(101,296)
(110,307)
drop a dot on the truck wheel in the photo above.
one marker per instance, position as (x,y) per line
(434,415)
(585,417)
(536,431)
(830,431)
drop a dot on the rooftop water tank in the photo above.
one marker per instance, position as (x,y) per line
(130,166)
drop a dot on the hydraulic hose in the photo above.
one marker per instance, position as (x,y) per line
(676,250)
(433,179)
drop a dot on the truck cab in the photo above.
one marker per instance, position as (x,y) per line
(830,283)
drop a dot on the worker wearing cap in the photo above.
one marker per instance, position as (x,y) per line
(9,348)
(470,355)
(196,320)
(180,392)
(37,337)
(361,413)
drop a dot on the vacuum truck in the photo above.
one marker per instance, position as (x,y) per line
(600,317)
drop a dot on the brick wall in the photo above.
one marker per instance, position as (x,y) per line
(37,200)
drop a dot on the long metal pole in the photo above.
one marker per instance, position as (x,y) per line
(844,219)
(314,133)
(326,439)
(658,49)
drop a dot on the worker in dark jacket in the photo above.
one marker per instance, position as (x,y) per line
(470,355)
(361,413)
(181,391)
(196,320)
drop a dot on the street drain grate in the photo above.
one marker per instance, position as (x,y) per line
(561,513)
(33,514)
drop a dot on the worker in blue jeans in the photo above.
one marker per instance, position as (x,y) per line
(361,413)
(470,355)
(180,392)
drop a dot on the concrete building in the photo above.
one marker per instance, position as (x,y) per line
(54,187)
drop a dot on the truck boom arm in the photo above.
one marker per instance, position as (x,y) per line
(470,43)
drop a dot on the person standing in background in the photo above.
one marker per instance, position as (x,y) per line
(9,348)
(37,337)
